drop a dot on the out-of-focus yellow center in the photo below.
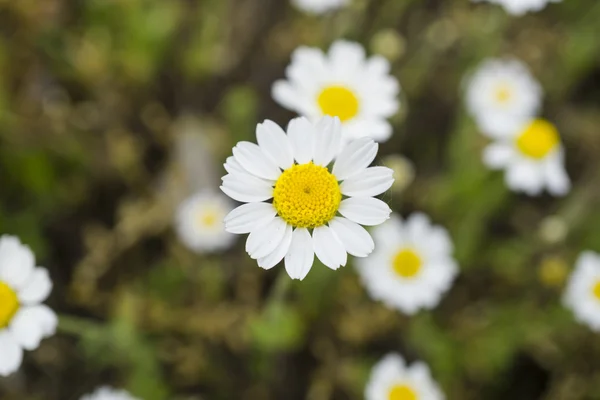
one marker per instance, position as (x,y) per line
(338,101)
(307,196)
(597,290)
(538,139)
(207,218)
(503,94)
(407,263)
(9,304)
(402,392)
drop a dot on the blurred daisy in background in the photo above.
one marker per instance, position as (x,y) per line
(533,157)
(199,222)
(24,322)
(319,6)
(108,393)
(502,94)
(520,7)
(314,210)
(412,265)
(582,294)
(342,83)
(392,379)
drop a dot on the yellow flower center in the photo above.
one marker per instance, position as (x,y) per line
(597,290)
(538,139)
(403,392)
(407,263)
(337,101)
(9,304)
(503,93)
(207,218)
(306,196)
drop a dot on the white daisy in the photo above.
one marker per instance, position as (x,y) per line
(319,6)
(412,266)
(344,84)
(502,94)
(392,379)
(582,294)
(520,7)
(24,322)
(533,158)
(108,393)
(199,222)
(292,170)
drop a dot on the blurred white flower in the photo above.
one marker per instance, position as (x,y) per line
(520,7)
(319,6)
(412,265)
(392,379)
(292,169)
(582,294)
(199,222)
(344,84)
(502,94)
(533,158)
(24,322)
(108,393)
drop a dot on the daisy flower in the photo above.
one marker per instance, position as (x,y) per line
(296,206)
(199,222)
(108,393)
(520,7)
(344,84)
(319,6)
(582,294)
(501,94)
(533,158)
(412,266)
(392,379)
(24,322)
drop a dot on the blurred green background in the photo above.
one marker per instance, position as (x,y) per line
(113,111)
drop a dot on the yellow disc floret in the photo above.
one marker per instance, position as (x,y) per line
(338,101)
(538,139)
(407,263)
(503,93)
(307,196)
(9,304)
(402,392)
(597,290)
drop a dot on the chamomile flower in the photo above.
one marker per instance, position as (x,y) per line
(533,158)
(582,294)
(502,94)
(392,379)
(412,266)
(296,206)
(342,83)
(520,7)
(319,6)
(24,322)
(199,222)
(108,393)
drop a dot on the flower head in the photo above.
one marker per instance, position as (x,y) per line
(412,266)
(24,322)
(296,205)
(108,393)
(520,7)
(392,379)
(582,294)
(319,6)
(342,83)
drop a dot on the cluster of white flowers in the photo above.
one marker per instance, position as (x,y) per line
(520,7)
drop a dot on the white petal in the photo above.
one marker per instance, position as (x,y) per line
(301,133)
(277,255)
(498,155)
(249,217)
(300,257)
(328,247)
(328,140)
(251,157)
(354,237)
(16,262)
(354,158)
(265,240)
(31,324)
(232,166)
(12,354)
(37,288)
(525,176)
(365,210)
(557,180)
(285,94)
(274,142)
(370,182)
(246,188)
